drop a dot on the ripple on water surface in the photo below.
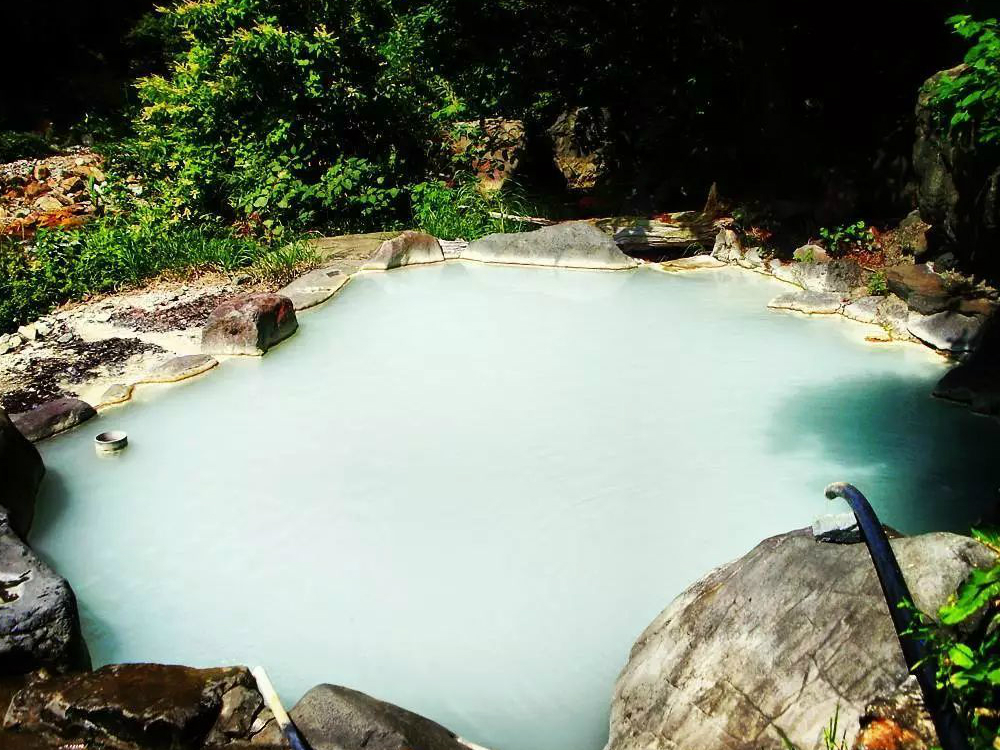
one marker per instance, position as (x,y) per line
(467,489)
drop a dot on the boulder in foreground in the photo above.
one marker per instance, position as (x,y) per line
(39,626)
(408,249)
(52,417)
(574,244)
(775,641)
(331,717)
(21,471)
(148,706)
(249,325)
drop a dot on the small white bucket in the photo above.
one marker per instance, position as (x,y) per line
(112,441)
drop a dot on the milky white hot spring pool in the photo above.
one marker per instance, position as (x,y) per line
(467,489)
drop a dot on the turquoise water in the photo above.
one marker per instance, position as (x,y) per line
(467,489)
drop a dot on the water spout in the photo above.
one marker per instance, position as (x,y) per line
(949,730)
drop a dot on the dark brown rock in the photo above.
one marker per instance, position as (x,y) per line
(582,146)
(52,418)
(958,188)
(923,290)
(338,718)
(39,624)
(249,325)
(128,706)
(21,472)
(897,721)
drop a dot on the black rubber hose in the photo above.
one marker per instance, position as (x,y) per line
(950,733)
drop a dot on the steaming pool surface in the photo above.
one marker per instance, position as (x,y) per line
(467,489)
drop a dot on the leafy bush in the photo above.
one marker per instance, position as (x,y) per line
(273,118)
(965,648)
(68,264)
(15,145)
(848,238)
(465,212)
(970,99)
(877,284)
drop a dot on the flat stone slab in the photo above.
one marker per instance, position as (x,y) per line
(118,393)
(408,249)
(811,303)
(574,244)
(314,288)
(180,368)
(52,418)
(946,331)
(692,263)
(863,310)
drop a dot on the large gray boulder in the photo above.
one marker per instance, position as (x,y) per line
(946,331)
(133,706)
(249,325)
(21,471)
(332,717)
(574,244)
(774,642)
(408,249)
(39,624)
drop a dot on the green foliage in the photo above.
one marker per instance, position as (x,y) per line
(877,284)
(68,264)
(465,212)
(965,649)
(804,254)
(15,145)
(289,114)
(848,238)
(969,99)
(831,741)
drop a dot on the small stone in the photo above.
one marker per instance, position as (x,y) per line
(65,338)
(811,254)
(41,172)
(727,246)
(102,317)
(118,393)
(42,329)
(29,332)
(752,259)
(48,203)
(783,271)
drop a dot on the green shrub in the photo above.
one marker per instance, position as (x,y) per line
(965,649)
(62,265)
(465,212)
(15,145)
(271,116)
(877,284)
(969,101)
(848,238)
